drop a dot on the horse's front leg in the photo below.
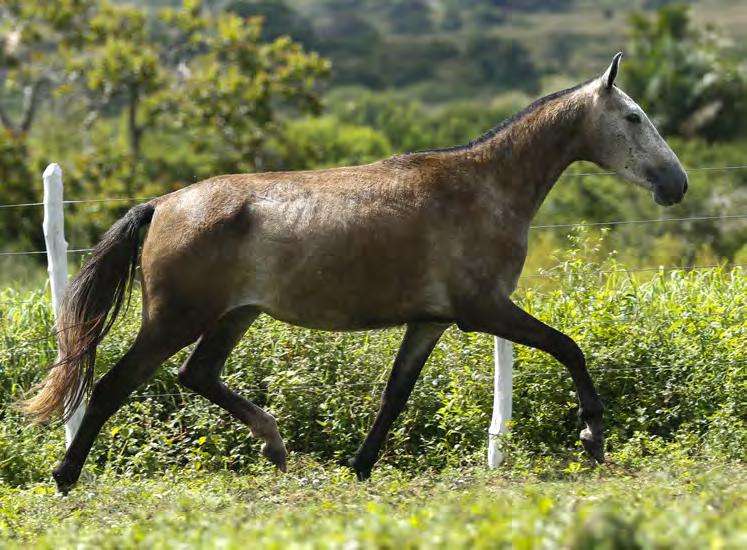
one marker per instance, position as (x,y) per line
(414,351)
(505,319)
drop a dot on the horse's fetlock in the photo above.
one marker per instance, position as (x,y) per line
(593,442)
(591,413)
(266,428)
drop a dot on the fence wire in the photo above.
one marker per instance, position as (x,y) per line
(634,222)
(34,252)
(728,168)
(449,379)
(634,270)
(688,170)
(521,374)
(276,388)
(79,201)
(533,227)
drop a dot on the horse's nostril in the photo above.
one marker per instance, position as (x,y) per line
(684,189)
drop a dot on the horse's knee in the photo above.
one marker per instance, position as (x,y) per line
(567,351)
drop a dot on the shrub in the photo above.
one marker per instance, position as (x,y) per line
(667,355)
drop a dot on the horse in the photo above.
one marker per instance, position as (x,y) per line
(426,239)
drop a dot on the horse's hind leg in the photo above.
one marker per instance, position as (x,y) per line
(414,351)
(150,349)
(201,373)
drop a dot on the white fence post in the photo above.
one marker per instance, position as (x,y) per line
(54,235)
(504,359)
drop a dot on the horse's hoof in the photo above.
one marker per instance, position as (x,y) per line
(63,481)
(62,490)
(361,474)
(276,453)
(593,445)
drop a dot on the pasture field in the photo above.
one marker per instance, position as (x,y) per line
(666,350)
(679,504)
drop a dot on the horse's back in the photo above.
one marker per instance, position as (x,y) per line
(339,249)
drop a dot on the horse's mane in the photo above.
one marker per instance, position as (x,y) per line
(506,123)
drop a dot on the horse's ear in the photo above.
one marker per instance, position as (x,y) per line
(608,78)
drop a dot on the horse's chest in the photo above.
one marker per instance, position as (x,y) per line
(490,257)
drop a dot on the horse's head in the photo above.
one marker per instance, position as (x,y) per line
(623,139)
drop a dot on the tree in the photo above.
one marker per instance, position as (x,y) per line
(688,78)
(502,63)
(119,65)
(33,34)
(278,19)
(190,71)
(228,89)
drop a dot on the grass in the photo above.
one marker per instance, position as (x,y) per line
(686,505)
(172,471)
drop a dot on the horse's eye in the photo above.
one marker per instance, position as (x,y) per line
(635,118)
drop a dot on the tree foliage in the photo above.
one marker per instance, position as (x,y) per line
(278,19)
(688,77)
(20,227)
(503,63)
(141,98)
(206,83)
(226,94)
(35,37)
(118,65)
(327,141)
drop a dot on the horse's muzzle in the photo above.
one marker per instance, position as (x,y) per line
(669,184)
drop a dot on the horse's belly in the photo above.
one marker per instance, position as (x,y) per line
(332,321)
(344,292)
(344,274)
(336,304)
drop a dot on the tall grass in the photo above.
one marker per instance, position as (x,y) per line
(668,355)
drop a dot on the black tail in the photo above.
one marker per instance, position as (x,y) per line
(89,308)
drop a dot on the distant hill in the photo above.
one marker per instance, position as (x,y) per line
(448,49)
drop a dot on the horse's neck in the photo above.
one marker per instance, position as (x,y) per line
(527,158)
